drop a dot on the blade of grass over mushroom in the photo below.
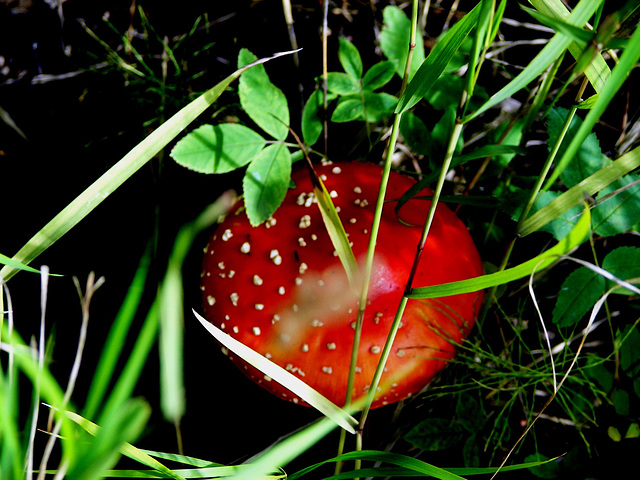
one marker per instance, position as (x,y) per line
(576,237)
(336,230)
(121,171)
(576,194)
(619,74)
(280,375)
(126,449)
(552,50)
(437,61)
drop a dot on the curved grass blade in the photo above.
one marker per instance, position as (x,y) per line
(121,171)
(575,238)
(280,375)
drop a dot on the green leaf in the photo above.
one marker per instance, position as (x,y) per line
(348,109)
(435,63)
(342,84)
(350,58)
(415,133)
(378,106)
(313,115)
(630,351)
(589,158)
(434,434)
(547,470)
(395,38)
(378,75)
(576,237)
(265,182)
(218,149)
(617,208)
(262,100)
(624,263)
(578,294)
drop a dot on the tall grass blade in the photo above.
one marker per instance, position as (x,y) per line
(437,61)
(575,238)
(552,50)
(618,76)
(121,171)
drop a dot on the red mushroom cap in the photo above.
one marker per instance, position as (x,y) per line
(281,290)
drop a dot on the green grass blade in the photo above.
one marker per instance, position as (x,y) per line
(135,363)
(280,375)
(437,61)
(126,449)
(597,71)
(618,76)
(552,50)
(113,347)
(171,345)
(121,171)
(16,265)
(576,194)
(575,238)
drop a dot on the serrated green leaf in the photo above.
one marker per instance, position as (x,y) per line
(435,63)
(561,224)
(378,75)
(576,237)
(589,158)
(342,84)
(623,263)
(265,182)
(347,110)
(313,115)
(350,58)
(378,106)
(576,195)
(395,38)
(434,434)
(262,100)
(415,133)
(218,149)
(578,294)
(617,208)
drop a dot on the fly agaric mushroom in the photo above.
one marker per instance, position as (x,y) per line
(281,290)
